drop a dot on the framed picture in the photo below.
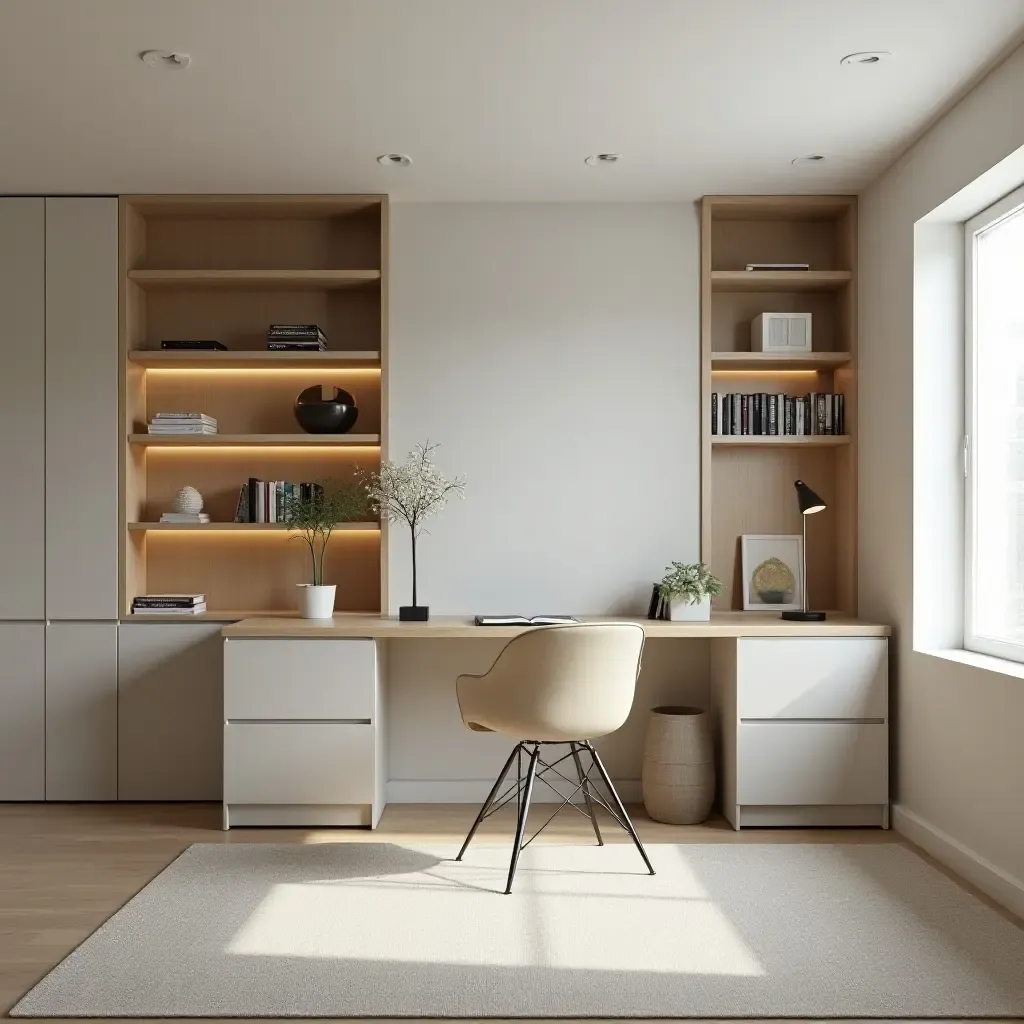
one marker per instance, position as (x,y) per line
(772,571)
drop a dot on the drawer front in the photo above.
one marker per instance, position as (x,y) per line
(813,677)
(289,763)
(299,679)
(812,763)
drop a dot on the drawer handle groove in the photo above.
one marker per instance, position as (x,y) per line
(813,721)
(298,721)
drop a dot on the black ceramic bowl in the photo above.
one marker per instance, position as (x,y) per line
(334,414)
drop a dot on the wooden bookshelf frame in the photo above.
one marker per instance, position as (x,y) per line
(225,267)
(746,481)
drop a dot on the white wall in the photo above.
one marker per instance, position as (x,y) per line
(553,351)
(959,761)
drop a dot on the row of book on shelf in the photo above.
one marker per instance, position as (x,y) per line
(169,604)
(778,415)
(280,338)
(270,501)
(182,423)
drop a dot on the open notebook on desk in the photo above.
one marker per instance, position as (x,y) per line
(522,620)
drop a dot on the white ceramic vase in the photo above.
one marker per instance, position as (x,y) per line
(681,610)
(316,602)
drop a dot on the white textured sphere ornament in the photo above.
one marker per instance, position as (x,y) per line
(189,500)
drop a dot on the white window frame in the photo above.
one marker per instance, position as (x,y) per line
(992,215)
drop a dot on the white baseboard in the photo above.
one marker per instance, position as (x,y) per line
(474,791)
(991,879)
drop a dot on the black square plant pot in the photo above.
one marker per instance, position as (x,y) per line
(413,613)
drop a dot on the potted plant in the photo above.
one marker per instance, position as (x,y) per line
(411,492)
(688,588)
(314,519)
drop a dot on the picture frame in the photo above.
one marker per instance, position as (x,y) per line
(772,571)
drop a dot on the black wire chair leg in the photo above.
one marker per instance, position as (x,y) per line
(524,810)
(585,783)
(619,805)
(490,800)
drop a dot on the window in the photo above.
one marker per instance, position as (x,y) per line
(994,446)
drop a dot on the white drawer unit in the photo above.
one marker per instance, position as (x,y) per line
(300,679)
(304,732)
(802,729)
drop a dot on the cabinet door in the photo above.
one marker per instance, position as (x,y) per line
(170,718)
(22,406)
(82,436)
(81,711)
(22,712)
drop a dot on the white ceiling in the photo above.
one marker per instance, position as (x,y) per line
(493,99)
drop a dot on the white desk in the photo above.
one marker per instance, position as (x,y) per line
(801,713)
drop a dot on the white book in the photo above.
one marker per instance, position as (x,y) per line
(189,416)
(196,609)
(183,428)
(184,517)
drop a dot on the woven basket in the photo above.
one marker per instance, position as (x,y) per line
(678,775)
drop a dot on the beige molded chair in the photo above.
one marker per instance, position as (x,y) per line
(566,684)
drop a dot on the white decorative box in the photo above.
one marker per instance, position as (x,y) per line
(780,332)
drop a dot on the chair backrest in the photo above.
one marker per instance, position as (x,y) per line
(573,681)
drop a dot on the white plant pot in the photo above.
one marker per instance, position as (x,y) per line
(316,602)
(680,610)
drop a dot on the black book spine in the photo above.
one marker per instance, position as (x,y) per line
(822,428)
(773,414)
(253,482)
(652,608)
(842,412)
(714,416)
(744,414)
(758,401)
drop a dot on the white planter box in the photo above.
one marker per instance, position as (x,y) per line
(680,610)
(316,602)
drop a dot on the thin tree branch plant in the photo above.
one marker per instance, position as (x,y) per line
(411,492)
(688,588)
(313,520)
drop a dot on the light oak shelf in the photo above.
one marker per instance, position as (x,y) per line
(786,441)
(773,361)
(251,440)
(282,280)
(176,359)
(779,280)
(237,527)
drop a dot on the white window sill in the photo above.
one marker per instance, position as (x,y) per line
(983,661)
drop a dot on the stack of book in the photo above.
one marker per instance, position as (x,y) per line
(184,517)
(778,415)
(182,423)
(296,338)
(269,501)
(169,604)
(659,606)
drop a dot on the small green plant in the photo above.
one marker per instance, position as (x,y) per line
(315,518)
(690,583)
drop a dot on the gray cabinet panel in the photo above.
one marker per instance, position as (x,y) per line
(171,711)
(82,435)
(81,711)
(22,409)
(22,711)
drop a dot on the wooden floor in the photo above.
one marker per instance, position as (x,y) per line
(65,868)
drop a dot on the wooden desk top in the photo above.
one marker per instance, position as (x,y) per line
(445,627)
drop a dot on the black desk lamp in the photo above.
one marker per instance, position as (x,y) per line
(809,504)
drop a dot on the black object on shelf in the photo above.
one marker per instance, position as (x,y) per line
(413,613)
(326,410)
(206,345)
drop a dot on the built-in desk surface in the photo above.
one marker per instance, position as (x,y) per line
(442,627)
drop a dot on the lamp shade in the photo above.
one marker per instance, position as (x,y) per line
(809,501)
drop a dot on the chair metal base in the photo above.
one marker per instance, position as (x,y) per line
(522,791)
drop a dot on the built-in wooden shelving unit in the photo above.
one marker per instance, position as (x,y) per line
(226,267)
(747,481)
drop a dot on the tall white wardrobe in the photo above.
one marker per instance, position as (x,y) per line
(90,708)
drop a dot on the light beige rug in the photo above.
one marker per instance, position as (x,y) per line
(342,930)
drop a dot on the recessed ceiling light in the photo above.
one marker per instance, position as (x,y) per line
(599,159)
(810,158)
(866,57)
(394,160)
(168,59)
